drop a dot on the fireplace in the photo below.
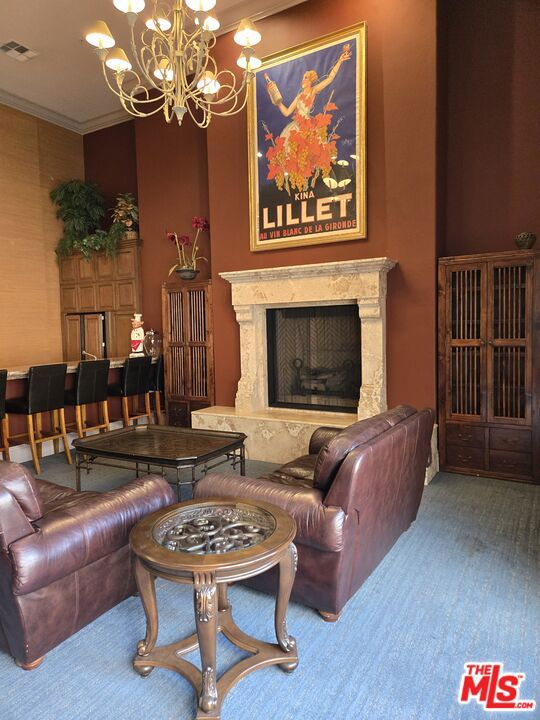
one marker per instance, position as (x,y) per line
(314,357)
(280,416)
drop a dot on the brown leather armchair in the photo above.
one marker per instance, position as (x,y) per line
(352,496)
(64,556)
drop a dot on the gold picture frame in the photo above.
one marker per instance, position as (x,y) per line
(307,143)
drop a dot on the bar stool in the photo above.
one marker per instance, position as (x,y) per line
(90,387)
(157,386)
(135,381)
(4,434)
(45,394)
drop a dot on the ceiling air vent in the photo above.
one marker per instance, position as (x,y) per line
(19,52)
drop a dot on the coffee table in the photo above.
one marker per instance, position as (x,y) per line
(209,544)
(163,446)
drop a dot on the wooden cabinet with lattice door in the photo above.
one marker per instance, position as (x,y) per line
(489,364)
(188,349)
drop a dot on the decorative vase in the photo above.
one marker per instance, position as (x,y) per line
(525,240)
(152,343)
(187,273)
(131,235)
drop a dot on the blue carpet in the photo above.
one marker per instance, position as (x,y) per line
(461,585)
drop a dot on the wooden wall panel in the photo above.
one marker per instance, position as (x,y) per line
(34,156)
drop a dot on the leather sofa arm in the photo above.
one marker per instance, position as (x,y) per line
(320,437)
(71,538)
(318,526)
(13,522)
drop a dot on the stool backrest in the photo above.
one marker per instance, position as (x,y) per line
(157,383)
(3,384)
(46,387)
(92,378)
(136,380)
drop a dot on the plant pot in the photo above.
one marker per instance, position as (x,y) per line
(525,240)
(131,235)
(187,273)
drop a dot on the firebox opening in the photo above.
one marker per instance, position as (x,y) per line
(314,359)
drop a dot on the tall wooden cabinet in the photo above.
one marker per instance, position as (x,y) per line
(489,364)
(97,300)
(188,349)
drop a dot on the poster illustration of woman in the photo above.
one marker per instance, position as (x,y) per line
(306,129)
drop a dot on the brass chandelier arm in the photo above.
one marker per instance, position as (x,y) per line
(174,69)
(123,95)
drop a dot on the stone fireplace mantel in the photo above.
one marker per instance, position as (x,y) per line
(359,282)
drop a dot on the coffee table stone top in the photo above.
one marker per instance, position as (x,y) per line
(162,444)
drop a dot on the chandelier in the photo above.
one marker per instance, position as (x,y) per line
(175,71)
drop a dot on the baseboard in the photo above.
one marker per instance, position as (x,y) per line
(21,453)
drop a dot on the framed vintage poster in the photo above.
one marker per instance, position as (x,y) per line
(307,143)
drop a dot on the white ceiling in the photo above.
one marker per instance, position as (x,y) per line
(64,84)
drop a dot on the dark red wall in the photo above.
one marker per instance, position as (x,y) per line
(493,123)
(172,170)
(166,168)
(485,147)
(400,181)
(110,160)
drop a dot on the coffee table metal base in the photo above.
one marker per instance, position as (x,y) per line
(211,618)
(236,458)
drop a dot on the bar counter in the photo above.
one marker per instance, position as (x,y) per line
(20,372)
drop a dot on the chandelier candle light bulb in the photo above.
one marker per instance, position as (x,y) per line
(170,67)
(117,60)
(99,36)
(129,6)
(162,23)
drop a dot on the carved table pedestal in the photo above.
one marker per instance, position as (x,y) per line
(209,544)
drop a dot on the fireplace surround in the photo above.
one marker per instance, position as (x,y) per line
(277,433)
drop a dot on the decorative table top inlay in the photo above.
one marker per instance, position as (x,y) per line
(214,530)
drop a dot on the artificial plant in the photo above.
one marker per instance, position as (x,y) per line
(81,208)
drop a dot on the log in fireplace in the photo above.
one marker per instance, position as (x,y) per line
(314,358)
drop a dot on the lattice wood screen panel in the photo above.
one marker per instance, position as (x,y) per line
(509,366)
(197,343)
(466,343)
(188,346)
(489,364)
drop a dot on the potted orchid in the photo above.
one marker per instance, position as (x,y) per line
(188,250)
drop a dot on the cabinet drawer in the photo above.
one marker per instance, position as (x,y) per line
(466,457)
(513,440)
(466,435)
(512,463)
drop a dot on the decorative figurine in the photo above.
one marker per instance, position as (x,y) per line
(137,336)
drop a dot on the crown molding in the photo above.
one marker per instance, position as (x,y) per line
(242,10)
(43,113)
(118,116)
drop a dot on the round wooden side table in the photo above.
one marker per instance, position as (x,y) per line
(209,544)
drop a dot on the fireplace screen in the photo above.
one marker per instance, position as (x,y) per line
(314,357)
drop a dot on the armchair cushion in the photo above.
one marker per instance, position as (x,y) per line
(76,535)
(318,526)
(334,452)
(13,522)
(296,472)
